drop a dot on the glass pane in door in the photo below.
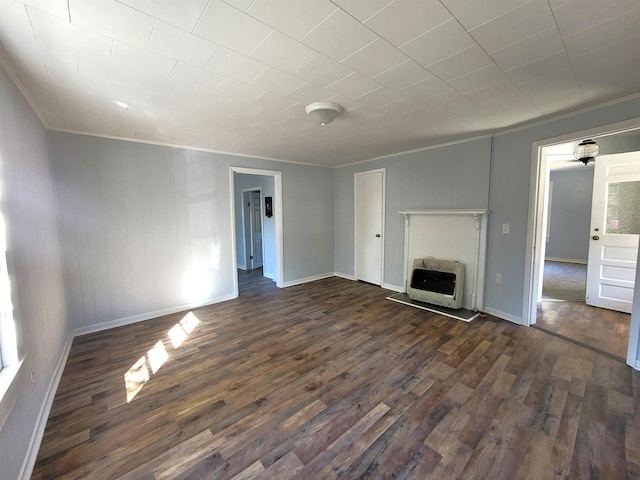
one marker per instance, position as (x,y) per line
(623,208)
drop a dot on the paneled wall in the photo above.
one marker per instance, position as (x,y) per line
(28,207)
(147,229)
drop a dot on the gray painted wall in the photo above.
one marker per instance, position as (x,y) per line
(454,176)
(243,181)
(147,228)
(570,214)
(28,204)
(509,199)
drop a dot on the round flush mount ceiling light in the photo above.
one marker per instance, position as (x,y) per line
(323,112)
(586,151)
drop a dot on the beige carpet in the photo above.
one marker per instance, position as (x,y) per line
(564,281)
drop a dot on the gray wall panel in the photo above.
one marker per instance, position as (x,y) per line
(570,214)
(28,208)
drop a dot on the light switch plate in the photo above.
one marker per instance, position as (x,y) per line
(505,228)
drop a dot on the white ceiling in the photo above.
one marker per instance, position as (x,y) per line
(235,75)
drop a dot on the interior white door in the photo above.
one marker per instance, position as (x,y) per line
(256,230)
(615,229)
(369,208)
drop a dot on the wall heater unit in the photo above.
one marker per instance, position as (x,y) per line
(440,282)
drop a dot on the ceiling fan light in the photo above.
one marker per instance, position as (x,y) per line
(586,151)
(323,112)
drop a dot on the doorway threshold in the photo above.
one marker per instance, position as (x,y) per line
(457,313)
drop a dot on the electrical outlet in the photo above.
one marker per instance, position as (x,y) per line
(505,228)
(498,278)
(33,376)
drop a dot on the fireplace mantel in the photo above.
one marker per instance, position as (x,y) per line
(450,234)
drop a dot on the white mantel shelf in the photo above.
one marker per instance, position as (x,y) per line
(444,212)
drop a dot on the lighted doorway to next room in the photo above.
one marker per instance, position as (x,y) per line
(255,232)
(562,309)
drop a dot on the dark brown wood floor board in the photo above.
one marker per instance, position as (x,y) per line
(331,380)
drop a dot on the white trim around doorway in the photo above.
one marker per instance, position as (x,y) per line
(277,213)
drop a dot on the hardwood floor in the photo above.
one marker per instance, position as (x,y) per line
(330,380)
(605,330)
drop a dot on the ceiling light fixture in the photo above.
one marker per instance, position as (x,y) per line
(323,112)
(586,151)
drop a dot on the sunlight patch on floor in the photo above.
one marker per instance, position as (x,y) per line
(148,365)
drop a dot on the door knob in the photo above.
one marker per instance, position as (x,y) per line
(377,235)
(595,237)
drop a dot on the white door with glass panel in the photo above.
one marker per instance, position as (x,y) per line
(615,230)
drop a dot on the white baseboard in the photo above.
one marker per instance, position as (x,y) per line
(268,275)
(43,416)
(345,276)
(566,260)
(300,281)
(149,315)
(393,288)
(242,267)
(503,315)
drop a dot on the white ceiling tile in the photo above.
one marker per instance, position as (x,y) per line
(581,14)
(323,71)
(113,19)
(472,14)
(240,4)
(205,83)
(403,75)
(235,89)
(614,64)
(533,17)
(505,101)
(274,102)
(59,38)
(59,8)
(339,36)
(425,89)
(183,14)
(618,29)
(226,26)
(119,74)
(530,49)
(16,32)
(439,43)
(276,81)
(566,93)
(234,65)
(479,79)
(540,68)
(403,20)
(360,9)
(149,64)
(284,53)
(375,58)
(380,97)
(461,63)
(295,19)
(172,42)
(354,85)
(309,93)
(77,81)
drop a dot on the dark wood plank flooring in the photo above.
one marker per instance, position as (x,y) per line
(605,330)
(330,380)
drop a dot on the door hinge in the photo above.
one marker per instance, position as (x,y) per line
(251,257)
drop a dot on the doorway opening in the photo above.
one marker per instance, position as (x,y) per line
(256,230)
(575,320)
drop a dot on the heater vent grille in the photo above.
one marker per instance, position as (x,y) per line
(440,282)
